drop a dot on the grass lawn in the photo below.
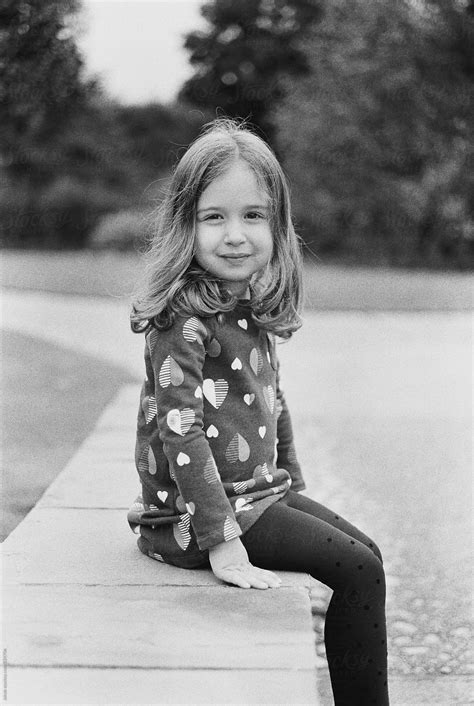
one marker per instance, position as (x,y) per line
(51,400)
(328,287)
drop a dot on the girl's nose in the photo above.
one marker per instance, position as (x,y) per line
(234,233)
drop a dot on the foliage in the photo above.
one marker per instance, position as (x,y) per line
(367,102)
(239,60)
(65,181)
(70,155)
(59,215)
(124,230)
(156,135)
(43,92)
(381,163)
(40,74)
(106,158)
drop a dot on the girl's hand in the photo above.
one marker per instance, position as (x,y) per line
(230,562)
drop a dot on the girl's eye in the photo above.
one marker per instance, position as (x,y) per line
(250,215)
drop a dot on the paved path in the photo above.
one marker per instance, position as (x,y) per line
(382,412)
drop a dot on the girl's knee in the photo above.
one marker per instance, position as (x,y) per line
(375,549)
(374,561)
(369,573)
(375,579)
(362,588)
(360,575)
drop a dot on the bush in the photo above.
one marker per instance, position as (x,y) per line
(125,230)
(381,162)
(14,210)
(59,216)
(68,212)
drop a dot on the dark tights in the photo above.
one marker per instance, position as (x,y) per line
(298,534)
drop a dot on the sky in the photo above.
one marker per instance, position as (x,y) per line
(135,46)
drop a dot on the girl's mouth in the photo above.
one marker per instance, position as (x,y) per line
(236,256)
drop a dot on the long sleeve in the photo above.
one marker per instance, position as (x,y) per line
(177,358)
(286,452)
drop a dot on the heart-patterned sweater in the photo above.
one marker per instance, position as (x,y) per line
(214,444)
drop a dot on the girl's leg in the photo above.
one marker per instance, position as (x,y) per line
(301,502)
(288,538)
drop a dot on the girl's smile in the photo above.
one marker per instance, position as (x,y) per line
(233,235)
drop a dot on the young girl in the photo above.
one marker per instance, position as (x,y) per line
(214,449)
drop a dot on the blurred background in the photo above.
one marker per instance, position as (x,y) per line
(366,103)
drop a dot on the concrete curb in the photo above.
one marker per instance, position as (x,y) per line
(91,620)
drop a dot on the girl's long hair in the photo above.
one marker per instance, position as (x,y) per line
(174,284)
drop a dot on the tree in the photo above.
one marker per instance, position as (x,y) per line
(66,158)
(241,57)
(157,134)
(380,160)
(40,76)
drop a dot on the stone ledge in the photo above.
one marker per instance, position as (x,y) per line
(158,626)
(87,611)
(196,686)
(81,546)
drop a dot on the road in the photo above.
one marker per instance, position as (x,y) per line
(381,405)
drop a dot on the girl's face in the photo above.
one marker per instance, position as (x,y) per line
(233,236)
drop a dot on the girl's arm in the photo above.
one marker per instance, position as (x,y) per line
(286,452)
(177,357)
